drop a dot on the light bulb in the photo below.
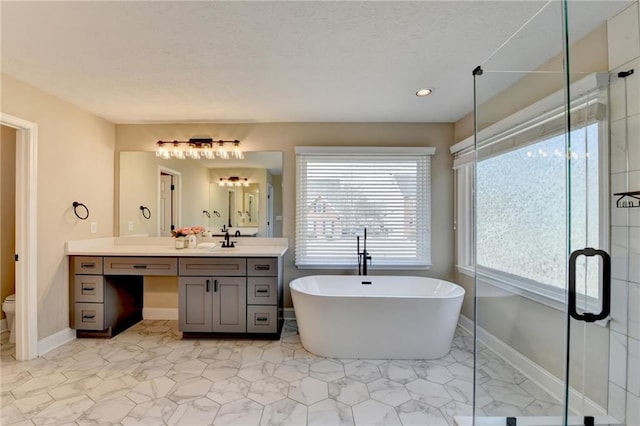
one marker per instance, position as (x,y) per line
(207,152)
(177,151)
(236,150)
(222,151)
(193,151)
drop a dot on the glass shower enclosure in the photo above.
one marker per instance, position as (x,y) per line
(541,204)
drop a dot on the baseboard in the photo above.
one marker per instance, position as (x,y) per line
(547,381)
(57,339)
(3,326)
(160,314)
(289,314)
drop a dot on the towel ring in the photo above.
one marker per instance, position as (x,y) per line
(216,212)
(206,213)
(146,213)
(75,210)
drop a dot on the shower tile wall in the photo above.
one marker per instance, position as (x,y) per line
(624,360)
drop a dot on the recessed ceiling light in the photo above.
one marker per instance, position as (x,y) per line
(424,92)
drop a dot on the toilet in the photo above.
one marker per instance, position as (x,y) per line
(9,309)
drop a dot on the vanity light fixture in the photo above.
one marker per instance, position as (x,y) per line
(197,148)
(233,181)
(424,92)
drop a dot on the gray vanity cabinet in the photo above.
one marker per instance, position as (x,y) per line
(215,303)
(102,304)
(262,295)
(195,304)
(216,295)
(212,304)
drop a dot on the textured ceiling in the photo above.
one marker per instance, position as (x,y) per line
(136,62)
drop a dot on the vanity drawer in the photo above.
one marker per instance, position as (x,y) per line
(262,290)
(88,288)
(89,316)
(262,319)
(262,267)
(210,266)
(87,265)
(140,266)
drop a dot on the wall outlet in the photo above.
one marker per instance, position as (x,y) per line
(94,227)
(130,225)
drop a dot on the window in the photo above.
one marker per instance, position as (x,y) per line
(341,191)
(521,210)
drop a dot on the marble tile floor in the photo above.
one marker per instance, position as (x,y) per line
(148,375)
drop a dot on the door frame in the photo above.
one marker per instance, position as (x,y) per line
(269,210)
(26,319)
(176,197)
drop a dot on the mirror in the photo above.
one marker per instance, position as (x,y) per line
(217,194)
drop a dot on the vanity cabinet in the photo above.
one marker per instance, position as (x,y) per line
(102,305)
(262,295)
(212,304)
(216,295)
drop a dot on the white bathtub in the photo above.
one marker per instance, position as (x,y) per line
(393,317)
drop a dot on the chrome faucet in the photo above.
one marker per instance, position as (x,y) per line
(363,256)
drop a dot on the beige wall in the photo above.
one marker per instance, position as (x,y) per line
(587,55)
(531,328)
(285,136)
(7,211)
(138,186)
(75,162)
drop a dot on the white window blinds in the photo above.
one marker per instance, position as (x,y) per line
(539,121)
(343,190)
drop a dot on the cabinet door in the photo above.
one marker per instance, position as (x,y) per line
(195,303)
(230,304)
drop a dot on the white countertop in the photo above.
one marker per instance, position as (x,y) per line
(165,246)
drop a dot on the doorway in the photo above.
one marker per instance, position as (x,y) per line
(168,201)
(7,227)
(269,210)
(26,320)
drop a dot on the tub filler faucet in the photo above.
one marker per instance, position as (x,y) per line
(363,256)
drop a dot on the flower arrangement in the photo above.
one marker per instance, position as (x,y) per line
(186,230)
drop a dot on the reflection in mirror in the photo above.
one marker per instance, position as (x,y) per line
(189,192)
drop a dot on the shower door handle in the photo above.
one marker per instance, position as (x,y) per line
(606,285)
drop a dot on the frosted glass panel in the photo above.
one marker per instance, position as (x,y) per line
(521,209)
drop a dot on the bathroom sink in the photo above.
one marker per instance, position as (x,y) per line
(208,246)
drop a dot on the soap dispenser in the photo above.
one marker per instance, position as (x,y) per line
(191,241)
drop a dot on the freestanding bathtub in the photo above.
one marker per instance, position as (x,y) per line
(376,317)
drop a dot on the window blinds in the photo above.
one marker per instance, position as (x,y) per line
(540,121)
(339,193)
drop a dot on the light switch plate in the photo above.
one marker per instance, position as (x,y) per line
(94,227)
